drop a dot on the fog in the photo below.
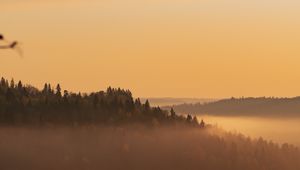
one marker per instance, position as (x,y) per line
(280,130)
(138,147)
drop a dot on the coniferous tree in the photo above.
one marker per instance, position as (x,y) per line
(50,91)
(189,118)
(138,102)
(195,120)
(202,124)
(20,86)
(12,83)
(45,89)
(2,82)
(58,90)
(173,114)
(147,105)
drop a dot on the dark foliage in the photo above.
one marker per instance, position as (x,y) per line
(140,148)
(21,104)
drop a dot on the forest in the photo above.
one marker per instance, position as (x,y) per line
(26,105)
(136,148)
(261,106)
(113,130)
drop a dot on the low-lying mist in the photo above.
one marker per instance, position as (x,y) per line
(138,147)
(279,129)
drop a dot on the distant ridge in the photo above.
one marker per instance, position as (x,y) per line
(168,101)
(261,106)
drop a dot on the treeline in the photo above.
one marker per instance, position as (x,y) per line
(25,104)
(261,106)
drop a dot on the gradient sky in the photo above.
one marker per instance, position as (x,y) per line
(156,48)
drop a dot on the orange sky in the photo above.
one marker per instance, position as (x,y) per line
(175,48)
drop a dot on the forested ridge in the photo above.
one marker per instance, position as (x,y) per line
(260,106)
(128,146)
(25,104)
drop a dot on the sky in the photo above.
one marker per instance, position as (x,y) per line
(156,48)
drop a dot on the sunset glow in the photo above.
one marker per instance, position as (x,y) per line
(182,48)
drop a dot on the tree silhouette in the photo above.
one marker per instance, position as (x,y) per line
(58,91)
(45,89)
(12,83)
(189,118)
(20,86)
(173,114)
(202,124)
(28,105)
(195,121)
(147,105)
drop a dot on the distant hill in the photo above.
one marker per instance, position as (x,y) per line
(168,101)
(261,106)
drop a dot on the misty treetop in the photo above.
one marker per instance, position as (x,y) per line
(25,104)
(132,148)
